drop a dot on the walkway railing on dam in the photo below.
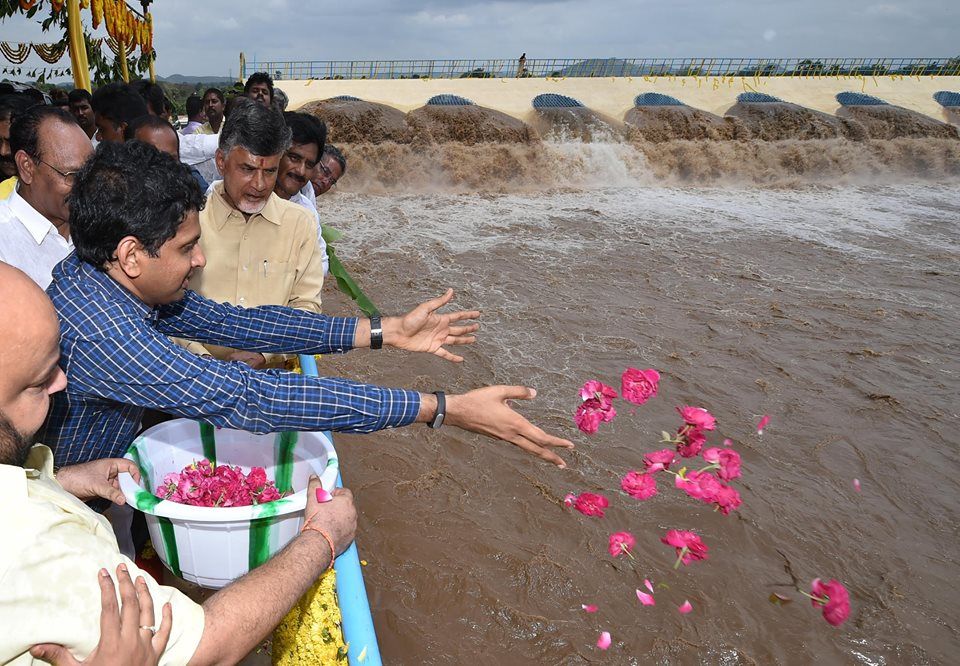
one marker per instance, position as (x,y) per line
(570,67)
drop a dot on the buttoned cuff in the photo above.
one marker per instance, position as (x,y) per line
(341,333)
(398,408)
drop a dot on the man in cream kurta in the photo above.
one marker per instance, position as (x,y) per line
(268,258)
(49,580)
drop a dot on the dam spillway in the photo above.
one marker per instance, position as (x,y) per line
(715,132)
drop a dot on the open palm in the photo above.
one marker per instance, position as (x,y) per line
(423,329)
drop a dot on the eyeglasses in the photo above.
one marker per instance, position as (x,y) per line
(67,175)
(327,173)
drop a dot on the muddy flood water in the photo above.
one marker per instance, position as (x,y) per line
(771,262)
(835,309)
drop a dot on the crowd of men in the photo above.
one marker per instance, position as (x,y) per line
(180,270)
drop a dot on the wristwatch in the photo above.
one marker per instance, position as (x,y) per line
(441,410)
(376,332)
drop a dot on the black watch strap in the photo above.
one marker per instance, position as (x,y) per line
(376,332)
(441,410)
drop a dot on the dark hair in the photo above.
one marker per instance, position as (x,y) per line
(129,189)
(331,150)
(151,93)
(153,122)
(232,102)
(215,91)
(260,129)
(25,129)
(59,96)
(78,95)
(13,104)
(304,129)
(194,106)
(258,77)
(118,103)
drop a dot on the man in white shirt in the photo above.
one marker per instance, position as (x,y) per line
(48,147)
(297,165)
(53,548)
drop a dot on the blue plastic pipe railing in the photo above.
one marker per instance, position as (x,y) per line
(357,622)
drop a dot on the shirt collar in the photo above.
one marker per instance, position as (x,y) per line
(220,210)
(13,479)
(81,271)
(35,223)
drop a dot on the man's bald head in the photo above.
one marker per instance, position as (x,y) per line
(29,373)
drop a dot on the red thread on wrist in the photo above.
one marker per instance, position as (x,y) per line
(308,526)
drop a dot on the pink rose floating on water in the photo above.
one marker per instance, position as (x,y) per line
(727,460)
(690,548)
(697,417)
(699,485)
(690,441)
(834,599)
(597,390)
(638,386)
(706,488)
(596,406)
(621,543)
(639,486)
(656,461)
(202,484)
(589,504)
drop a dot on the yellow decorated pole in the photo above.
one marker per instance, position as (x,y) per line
(78,47)
(148,20)
(122,55)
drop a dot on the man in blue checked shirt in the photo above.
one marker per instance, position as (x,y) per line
(135,227)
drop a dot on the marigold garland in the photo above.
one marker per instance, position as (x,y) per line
(311,632)
(15,54)
(51,53)
(96,9)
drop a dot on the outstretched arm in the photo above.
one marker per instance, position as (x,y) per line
(487,412)
(423,329)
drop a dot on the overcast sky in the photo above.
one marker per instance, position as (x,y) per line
(205,37)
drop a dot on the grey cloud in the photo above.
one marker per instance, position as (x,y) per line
(206,37)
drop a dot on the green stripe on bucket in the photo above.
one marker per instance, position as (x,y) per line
(209,441)
(286,442)
(258,550)
(146,502)
(134,452)
(170,545)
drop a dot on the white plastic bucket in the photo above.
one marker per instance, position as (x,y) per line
(214,546)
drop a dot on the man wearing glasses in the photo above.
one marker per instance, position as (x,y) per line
(48,147)
(330,169)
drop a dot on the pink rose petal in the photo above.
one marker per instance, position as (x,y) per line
(323,495)
(763,424)
(685,608)
(646,599)
(649,585)
(589,608)
(728,442)
(604,641)
(856,485)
